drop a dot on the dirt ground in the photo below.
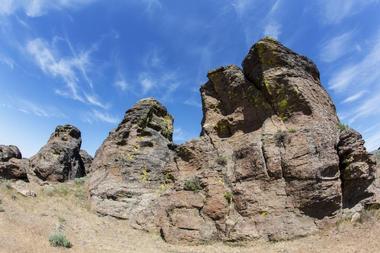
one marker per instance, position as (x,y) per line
(27,222)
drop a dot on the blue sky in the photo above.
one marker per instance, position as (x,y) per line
(85,62)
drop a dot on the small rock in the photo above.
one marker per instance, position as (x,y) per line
(355,218)
(23,188)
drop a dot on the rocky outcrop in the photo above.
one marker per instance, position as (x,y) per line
(12,166)
(86,160)
(59,160)
(270,163)
(129,168)
(8,152)
(376,155)
(358,169)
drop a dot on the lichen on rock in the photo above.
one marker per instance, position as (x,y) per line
(286,165)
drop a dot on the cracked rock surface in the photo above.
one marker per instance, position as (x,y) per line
(270,163)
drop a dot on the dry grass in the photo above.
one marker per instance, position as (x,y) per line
(26,224)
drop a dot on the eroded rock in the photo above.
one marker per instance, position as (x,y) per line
(12,166)
(129,169)
(358,168)
(87,160)
(8,152)
(268,164)
(59,160)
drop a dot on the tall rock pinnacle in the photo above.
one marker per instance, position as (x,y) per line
(271,161)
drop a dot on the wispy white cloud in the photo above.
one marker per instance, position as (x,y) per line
(97,116)
(151,5)
(72,70)
(147,83)
(364,72)
(333,12)
(358,82)
(373,141)
(367,108)
(180,135)
(164,83)
(121,83)
(35,8)
(354,97)
(157,77)
(7,61)
(193,102)
(153,59)
(337,47)
(272,29)
(32,108)
(242,6)
(269,23)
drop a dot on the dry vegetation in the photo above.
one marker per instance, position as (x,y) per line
(27,223)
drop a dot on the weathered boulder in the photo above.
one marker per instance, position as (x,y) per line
(86,160)
(8,152)
(12,166)
(14,169)
(59,160)
(270,162)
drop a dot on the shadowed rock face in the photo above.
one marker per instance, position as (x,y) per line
(59,160)
(358,169)
(86,160)
(270,161)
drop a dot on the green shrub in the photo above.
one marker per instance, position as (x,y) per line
(228,196)
(59,240)
(79,181)
(343,127)
(292,130)
(193,184)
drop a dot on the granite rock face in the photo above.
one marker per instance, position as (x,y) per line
(59,160)
(270,163)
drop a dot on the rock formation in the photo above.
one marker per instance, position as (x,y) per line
(9,152)
(376,155)
(12,166)
(59,160)
(357,168)
(87,160)
(128,169)
(270,162)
